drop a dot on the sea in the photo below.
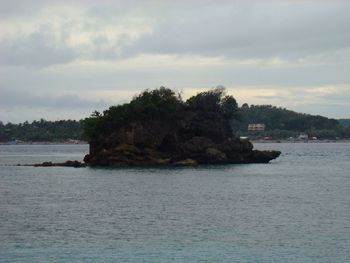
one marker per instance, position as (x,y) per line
(294,209)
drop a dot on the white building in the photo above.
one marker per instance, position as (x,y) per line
(256,127)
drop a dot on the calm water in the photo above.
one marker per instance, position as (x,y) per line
(296,209)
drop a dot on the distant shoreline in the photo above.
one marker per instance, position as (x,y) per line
(44,143)
(301,141)
(252,141)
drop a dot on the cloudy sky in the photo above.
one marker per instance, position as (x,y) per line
(64,59)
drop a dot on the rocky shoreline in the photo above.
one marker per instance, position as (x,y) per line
(198,150)
(75,164)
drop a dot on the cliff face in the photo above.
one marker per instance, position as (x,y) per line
(140,146)
(171,132)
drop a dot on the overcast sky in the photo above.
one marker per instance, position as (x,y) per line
(65,59)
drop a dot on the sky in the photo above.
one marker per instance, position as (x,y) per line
(65,59)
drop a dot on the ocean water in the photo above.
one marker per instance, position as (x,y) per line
(295,209)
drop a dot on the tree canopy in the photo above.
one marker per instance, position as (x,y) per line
(164,105)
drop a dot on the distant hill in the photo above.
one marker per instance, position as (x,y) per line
(283,123)
(283,119)
(344,122)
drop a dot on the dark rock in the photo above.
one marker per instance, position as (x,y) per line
(44,164)
(214,155)
(263,156)
(75,164)
(197,150)
(169,144)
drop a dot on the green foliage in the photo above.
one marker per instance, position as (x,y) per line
(283,119)
(42,131)
(345,122)
(211,113)
(165,106)
(345,133)
(214,102)
(229,107)
(283,123)
(90,125)
(207,101)
(159,104)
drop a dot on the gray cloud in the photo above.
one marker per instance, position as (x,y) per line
(19,8)
(19,106)
(15,99)
(37,49)
(113,47)
(255,30)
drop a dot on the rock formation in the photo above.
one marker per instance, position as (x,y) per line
(158,128)
(75,164)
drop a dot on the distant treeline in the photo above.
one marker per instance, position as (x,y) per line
(344,122)
(280,123)
(42,130)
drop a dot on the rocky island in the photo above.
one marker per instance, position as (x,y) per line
(158,128)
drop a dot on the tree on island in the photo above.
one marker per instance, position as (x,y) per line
(158,127)
(207,113)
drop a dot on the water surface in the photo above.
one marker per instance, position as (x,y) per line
(295,209)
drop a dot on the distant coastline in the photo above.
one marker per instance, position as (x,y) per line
(45,143)
(299,141)
(253,141)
